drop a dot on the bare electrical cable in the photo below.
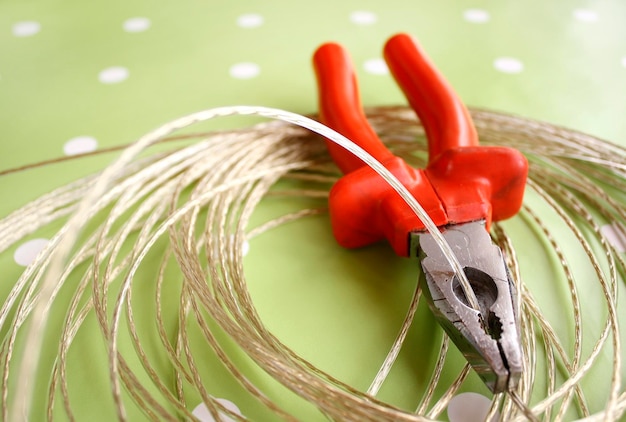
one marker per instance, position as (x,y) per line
(194,203)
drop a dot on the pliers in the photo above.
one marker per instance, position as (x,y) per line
(463,189)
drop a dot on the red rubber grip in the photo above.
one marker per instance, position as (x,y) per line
(445,118)
(340,107)
(463,181)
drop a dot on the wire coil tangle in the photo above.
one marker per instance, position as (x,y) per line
(192,208)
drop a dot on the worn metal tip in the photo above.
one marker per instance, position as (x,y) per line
(489,336)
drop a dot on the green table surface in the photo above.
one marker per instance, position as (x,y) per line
(79,75)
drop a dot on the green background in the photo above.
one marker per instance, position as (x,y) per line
(349,303)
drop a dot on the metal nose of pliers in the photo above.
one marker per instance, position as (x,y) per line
(488,338)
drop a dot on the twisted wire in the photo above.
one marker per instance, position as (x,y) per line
(192,208)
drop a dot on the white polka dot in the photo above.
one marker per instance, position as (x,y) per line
(250,20)
(28,251)
(363,17)
(614,234)
(376,67)
(245,248)
(468,407)
(476,15)
(26,28)
(245,70)
(508,65)
(80,145)
(585,15)
(624,61)
(202,412)
(138,24)
(113,75)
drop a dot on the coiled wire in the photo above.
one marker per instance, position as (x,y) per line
(191,207)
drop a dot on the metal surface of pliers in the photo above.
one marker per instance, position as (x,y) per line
(463,189)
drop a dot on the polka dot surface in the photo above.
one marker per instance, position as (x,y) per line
(508,65)
(250,20)
(468,407)
(80,145)
(376,67)
(79,60)
(113,75)
(204,415)
(244,70)
(585,15)
(476,16)
(28,251)
(138,24)
(363,17)
(26,28)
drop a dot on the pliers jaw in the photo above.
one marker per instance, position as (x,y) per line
(489,339)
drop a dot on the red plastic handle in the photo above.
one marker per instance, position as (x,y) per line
(463,181)
(340,107)
(444,116)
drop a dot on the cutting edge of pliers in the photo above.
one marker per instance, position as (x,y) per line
(489,337)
